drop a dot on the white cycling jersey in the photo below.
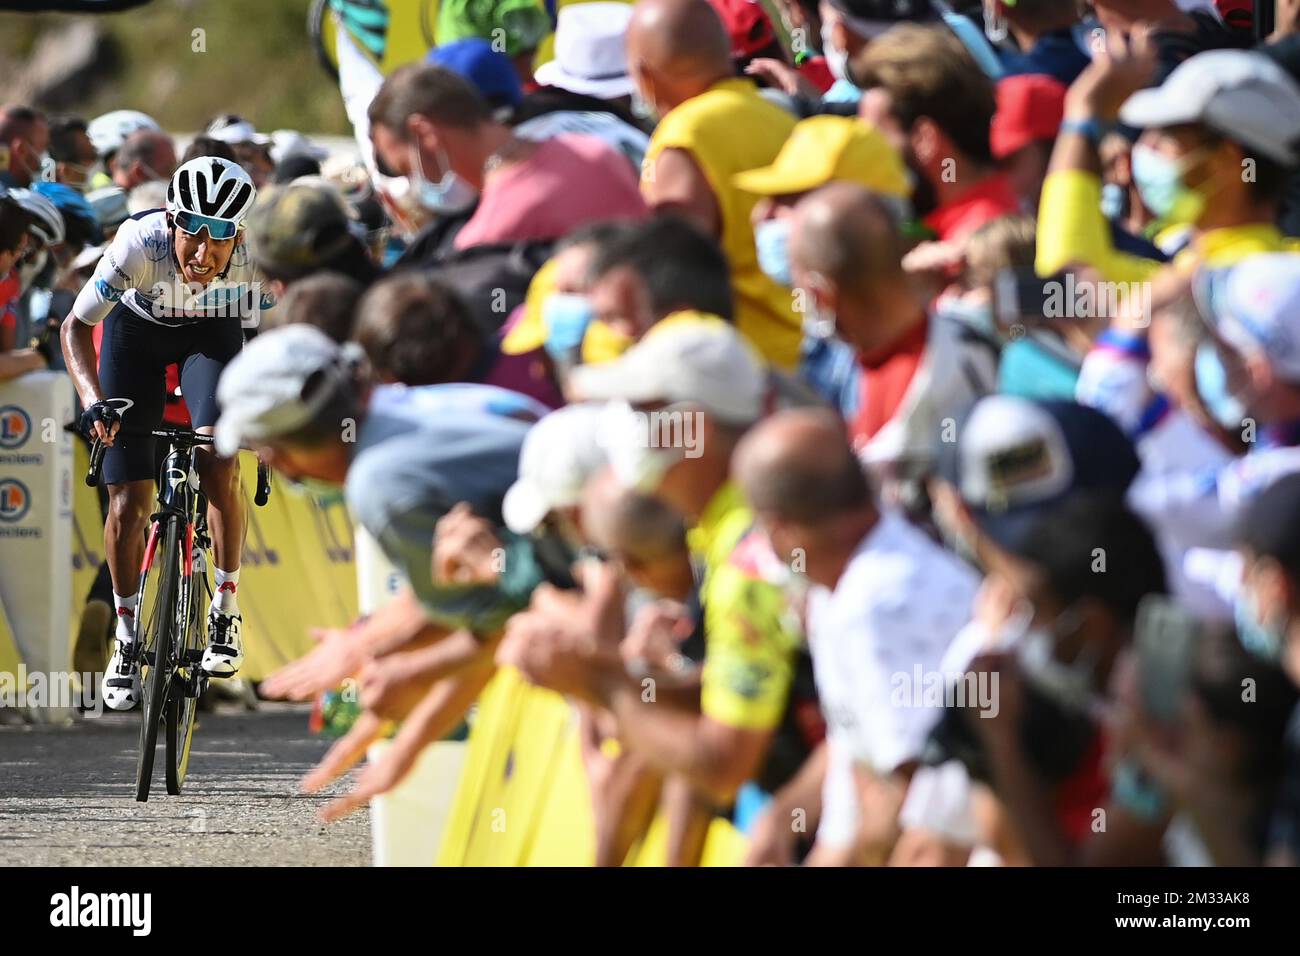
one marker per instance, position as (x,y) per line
(139,270)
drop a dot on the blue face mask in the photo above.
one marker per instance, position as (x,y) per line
(1159,181)
(772,242)
(977,316)
(566,317)
(1212,386)
(1262,640)
(448,196)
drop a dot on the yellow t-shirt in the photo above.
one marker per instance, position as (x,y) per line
(751,638)
(727,130)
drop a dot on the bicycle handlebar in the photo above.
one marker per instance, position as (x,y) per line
(177,436)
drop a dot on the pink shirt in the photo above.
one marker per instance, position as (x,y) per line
(571,180)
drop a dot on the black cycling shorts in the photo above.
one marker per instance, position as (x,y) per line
(133,360)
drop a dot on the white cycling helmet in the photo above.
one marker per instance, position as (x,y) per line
(210,192)
(108,132)
(46,220)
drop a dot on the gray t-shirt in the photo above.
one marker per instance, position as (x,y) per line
(418,452)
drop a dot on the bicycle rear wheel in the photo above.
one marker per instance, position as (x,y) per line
(155,647)
(188,681)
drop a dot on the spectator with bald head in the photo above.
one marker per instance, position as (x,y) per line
(712,125)
(918,369)
(146,156)
(884,601)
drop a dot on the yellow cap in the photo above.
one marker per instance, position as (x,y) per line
(529,333)
(822,149)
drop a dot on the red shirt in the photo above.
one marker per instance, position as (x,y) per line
(884,382)
(989,199)
(9,289)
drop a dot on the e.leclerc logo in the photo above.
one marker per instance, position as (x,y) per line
(15,427)
(15,499)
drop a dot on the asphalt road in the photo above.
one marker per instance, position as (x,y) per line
(67,796)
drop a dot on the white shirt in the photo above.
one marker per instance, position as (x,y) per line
(139,270)
(877,641)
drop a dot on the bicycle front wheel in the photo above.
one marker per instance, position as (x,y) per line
(155,644)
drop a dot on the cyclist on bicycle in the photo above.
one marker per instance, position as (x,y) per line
(175,286)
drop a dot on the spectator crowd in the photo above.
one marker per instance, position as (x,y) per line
(880,419)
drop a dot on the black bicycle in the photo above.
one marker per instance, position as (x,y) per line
(171,633)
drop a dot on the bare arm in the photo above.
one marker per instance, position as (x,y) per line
(19,362)
(78,340)
(676,184)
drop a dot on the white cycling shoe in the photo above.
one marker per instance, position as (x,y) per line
(121,688)
(224,654)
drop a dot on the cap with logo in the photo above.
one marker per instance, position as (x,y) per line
(590,58)
(1015,457)
(825,148)
(559,454)
(1242,95)
(691,358)
(263,393)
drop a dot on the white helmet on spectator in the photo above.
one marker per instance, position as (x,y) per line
(210,192)
(108,132)
(46,220)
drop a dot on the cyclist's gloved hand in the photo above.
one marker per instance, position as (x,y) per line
(101,421)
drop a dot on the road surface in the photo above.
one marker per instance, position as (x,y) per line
(67,796)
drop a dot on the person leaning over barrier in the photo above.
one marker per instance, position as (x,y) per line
(403,457)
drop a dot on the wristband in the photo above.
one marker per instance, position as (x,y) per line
(1090,128)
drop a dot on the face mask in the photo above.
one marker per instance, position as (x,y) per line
(975,315)
(1114,201)
(1262,640)
(637,463)
(30,269)
(1159,181)
(1069,684)
(837,60)
(772,242)
(603,343)
(642,108)
(447,197)
(1225,408)
(566,317)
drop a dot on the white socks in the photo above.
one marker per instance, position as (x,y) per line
(125,608)
(223,597)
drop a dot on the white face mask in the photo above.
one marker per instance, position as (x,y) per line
(837,60)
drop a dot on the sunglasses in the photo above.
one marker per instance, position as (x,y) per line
(192,224)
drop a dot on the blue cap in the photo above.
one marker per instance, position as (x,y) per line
(1014,458)
(491,72)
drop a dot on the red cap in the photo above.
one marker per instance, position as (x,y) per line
(747,24)
(1030,107)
